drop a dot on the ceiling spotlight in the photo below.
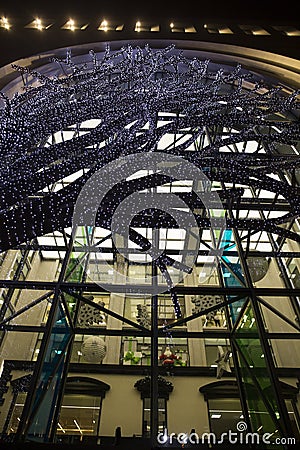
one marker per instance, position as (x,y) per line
(70,25)
(4,23)
(104,25)
(38,24)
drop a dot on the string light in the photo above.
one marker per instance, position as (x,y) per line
(132,86)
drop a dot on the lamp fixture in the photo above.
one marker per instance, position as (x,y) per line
(4,23)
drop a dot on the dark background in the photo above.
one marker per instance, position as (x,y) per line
(263,10)
(20,41)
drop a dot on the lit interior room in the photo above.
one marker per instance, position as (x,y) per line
(149,228)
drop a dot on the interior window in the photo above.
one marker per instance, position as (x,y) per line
(162,415)
(224,414)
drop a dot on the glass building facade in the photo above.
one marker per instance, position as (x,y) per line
(149,266)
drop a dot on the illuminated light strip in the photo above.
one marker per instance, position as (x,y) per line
(76,423)
(61,428)
(224,411)
(80,407)
(69,406)
(84,430)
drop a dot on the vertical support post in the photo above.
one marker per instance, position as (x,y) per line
(154,349)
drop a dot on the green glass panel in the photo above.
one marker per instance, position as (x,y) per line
(259,390)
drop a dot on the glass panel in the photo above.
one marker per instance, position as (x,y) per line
(146,417)
(274,319)
(294,417)
(232,273)
(31,307)
(162,416)
(18,345)
(258,388)
(224,414)
(47,389)
(17,413)
(79,416)
(286,352)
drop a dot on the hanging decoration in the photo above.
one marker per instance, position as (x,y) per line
(258,267)
(89,316)
(135,98)
(93,349)
(204,302)
(131,355)
(143,317)
(124,91)
(168,358)
(223,361)
(165,387)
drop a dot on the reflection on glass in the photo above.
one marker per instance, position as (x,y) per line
(162,416)
(16,413)
(258,388)
(79,416)
(47,391)
(224,414)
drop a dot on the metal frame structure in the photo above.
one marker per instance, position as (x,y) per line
(244,136)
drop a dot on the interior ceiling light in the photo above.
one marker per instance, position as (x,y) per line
(38,24)
(72,25)
(134,85)
(104,25)
(4,23)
